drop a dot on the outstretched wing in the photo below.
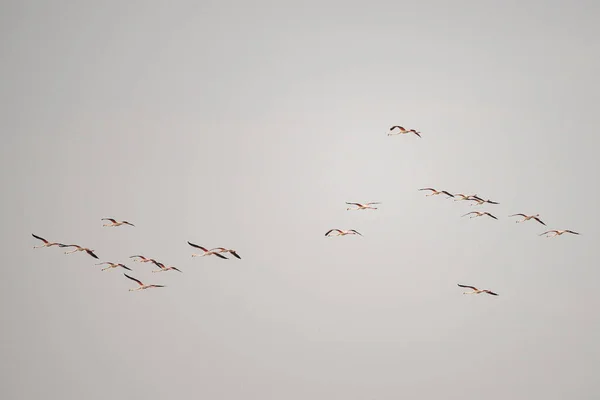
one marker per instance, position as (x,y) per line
(40,238)
(69,245)
(91,253)
(331,230)
(574,233)
(114,221)
(449,194)
(467,286)
(491,202)
(236,255)
(472,212)
(358,233)
(547,232)
(133,279)
(196,246)
(522,215)
(355,204)
(539,220)
(221,256)
(432,189)
(123,266)
(128,223)
(397,126)
(491,215)
(492,293)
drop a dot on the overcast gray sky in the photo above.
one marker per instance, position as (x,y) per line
(248,125)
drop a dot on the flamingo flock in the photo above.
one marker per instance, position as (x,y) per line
(220,252)
(136,258)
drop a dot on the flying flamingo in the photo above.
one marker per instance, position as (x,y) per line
(363,206)
(206,252)
(402,131)
(464,196)
(477,291)
(230,251)
(114,222)
(557,232)
(479,214)
(480,201)
(342,233)
(78,248)
(46,243)
(436,192)
(142,286)
(163,268)
(113,265)
(528,217)
(142,259)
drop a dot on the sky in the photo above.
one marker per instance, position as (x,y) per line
(248,125)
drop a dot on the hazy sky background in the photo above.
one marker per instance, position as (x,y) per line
(248,125)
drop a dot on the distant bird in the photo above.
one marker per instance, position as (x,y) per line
(362,206)
(528,217)
(78,248)
(113,265)
(142,286)
(114,222)
(230,251)
(479,214)
(464,196)
(342,233)
(143,259)
(477,291)
(557,232)
(46,243)
(436,192)
(163,268)
(206,252)
(402,131)
(480,201)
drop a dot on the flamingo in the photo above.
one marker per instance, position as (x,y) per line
(361,206)
(464,196)
(403,131)
(46,243)
(163,268)
(477,291)
(142,259)
(114,222)
(206,252)
(436,192)
(342,233)
(479,214)
(78,248)
(558,232)
(528,217)
(142,286)
(480,201)
(230,251)
(113,265)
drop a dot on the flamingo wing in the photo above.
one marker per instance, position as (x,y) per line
(490,292)
(467,286)
(539,220)
(236,255)
(40,238)
(449,194)
(196,246)
(487,213)
(91,253)
(114,221)
(133,279)
(522,215)
(358,233)
(221,256)
(574,233)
